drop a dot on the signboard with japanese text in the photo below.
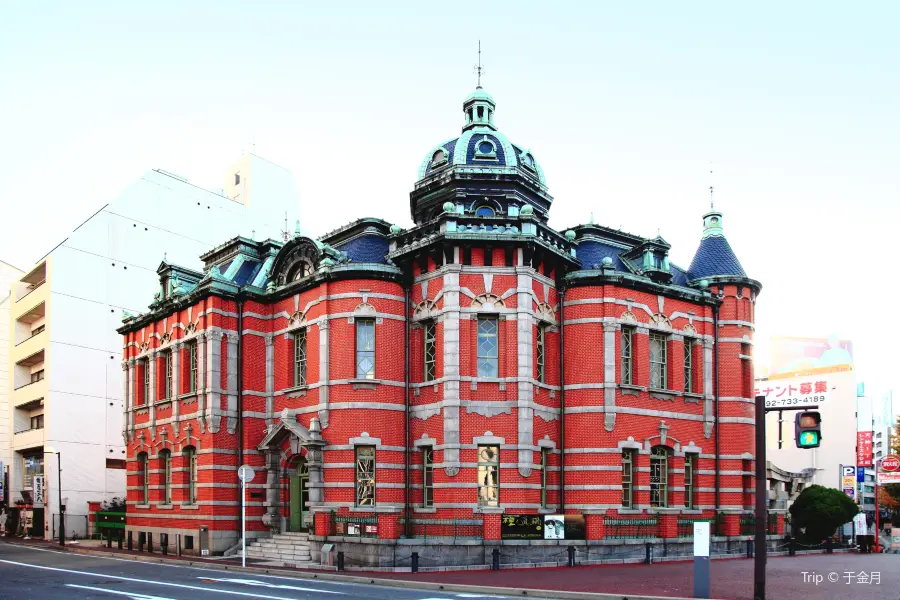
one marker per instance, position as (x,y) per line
(886,478)
(542,527)
(798,356)
(38,490)
(864,448)
(890,463)
(810,391)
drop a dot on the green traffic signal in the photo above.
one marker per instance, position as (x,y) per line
(809,439)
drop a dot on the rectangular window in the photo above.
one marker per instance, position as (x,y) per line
(688,366)
(115,463)
(428,476)
(37,422)
(144,476)
(659,477)
(488,356)
(627,478)
(34,465)
(489,475)
(545,465)
(658,361)
(365,475)
(146,369)
(541,336)
(189,455)
(627,367)
(37,376)
(430,351)
(165,463)
(365,348)
(300,358)
(689,468)
(192,363)
(167,365)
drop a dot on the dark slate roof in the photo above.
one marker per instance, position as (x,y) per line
(366,249)
(679,275)
(591,254)
(715,257)
(246,272)
(478,139)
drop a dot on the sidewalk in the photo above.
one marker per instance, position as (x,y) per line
(731,579)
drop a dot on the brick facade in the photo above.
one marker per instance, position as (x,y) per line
(491,306)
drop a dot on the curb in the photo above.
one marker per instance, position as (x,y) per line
(401,583)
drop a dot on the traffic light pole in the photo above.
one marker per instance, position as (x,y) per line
(760,550)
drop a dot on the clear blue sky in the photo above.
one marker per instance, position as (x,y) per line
(624,105)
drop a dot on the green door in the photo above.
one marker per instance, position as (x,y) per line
(299,498)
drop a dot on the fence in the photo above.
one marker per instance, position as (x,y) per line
(471,529)
(748,524)
(623,529)
(686,525)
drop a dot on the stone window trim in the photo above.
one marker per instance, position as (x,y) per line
(488,439)
(547,443)
(365,440)
(425,440)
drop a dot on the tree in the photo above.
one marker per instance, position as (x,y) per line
(893,489)
(818,511)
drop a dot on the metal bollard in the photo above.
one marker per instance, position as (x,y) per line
(792,546)
(340,561)
(150,542)
(119,541)
(495,559)
(829,546)
(649,554)
(130,541)
(749,548)
(415,562)
(164,543)
(571,552)
(142,539)
(178,544)
(109,541)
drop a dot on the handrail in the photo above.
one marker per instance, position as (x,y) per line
(33,334)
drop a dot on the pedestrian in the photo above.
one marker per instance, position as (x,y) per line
(3,522)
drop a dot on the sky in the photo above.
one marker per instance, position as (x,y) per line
(625,106)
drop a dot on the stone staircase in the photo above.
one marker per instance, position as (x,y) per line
(283,549)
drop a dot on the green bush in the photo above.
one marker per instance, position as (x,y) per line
(818,511)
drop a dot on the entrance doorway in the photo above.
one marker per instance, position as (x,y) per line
(299,495)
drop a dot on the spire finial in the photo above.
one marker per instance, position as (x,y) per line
(592,218)
(712,206)
(479,70)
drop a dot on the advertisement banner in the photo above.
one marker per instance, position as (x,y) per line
(542,527)
(2,480)
(864,448)
(794,392)
(807,356)
(886,478)
(38,487)
(859,521)
(564,527)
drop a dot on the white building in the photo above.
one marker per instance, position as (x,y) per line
(8,274)
(65,390)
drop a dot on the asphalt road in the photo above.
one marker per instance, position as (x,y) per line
(35,573)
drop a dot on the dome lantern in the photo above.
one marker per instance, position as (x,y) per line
(479,110)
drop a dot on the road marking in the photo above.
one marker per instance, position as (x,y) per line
(267,585)
(131,595)
(163,583)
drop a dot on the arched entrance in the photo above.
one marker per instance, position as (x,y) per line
(299,517)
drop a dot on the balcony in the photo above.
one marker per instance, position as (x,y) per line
(30,290)
(31,346)
(29,438)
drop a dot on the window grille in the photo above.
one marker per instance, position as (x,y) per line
(428,478)
(658,361)
(167,365)
(365,348)
(688,366)
(165,459)
(430,351)
(146,369)
(190,465)
(689,464)
(489,475)
(488,347)
(659,477)
(627,478)
(541,336)
(192,361)
(627,367)
(144,474)
(300,357)
(365,475)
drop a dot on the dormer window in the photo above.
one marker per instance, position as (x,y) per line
(528,160)
(439,158)
(657,260)
(485,149)
(303,269)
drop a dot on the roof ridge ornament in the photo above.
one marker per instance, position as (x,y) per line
(479,70)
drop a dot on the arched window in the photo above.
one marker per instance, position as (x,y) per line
(144,477)
(303,269)
(189,454)
(165,471)
(484,211)
(659,477)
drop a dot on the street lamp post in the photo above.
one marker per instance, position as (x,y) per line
(62,508)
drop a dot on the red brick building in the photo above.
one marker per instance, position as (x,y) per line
(457,380)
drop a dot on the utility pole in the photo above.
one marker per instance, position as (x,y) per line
(760,550)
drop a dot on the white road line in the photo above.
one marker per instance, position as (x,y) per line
(131,595)
(163,583)
(162,564)
(268,585)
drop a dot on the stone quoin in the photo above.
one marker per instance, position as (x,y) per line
(390,385)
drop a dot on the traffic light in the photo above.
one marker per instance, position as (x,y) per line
(808,429)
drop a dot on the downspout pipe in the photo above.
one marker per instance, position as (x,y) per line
(240,387)
(562,403)
(406,510)
(716,395)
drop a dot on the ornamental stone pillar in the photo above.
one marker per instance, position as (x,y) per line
(272,516)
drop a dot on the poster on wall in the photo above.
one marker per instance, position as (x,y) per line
(799,355)
(794,391)
(542,527)
(864,448)
(564,527)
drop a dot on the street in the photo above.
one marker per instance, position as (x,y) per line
(38,573)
